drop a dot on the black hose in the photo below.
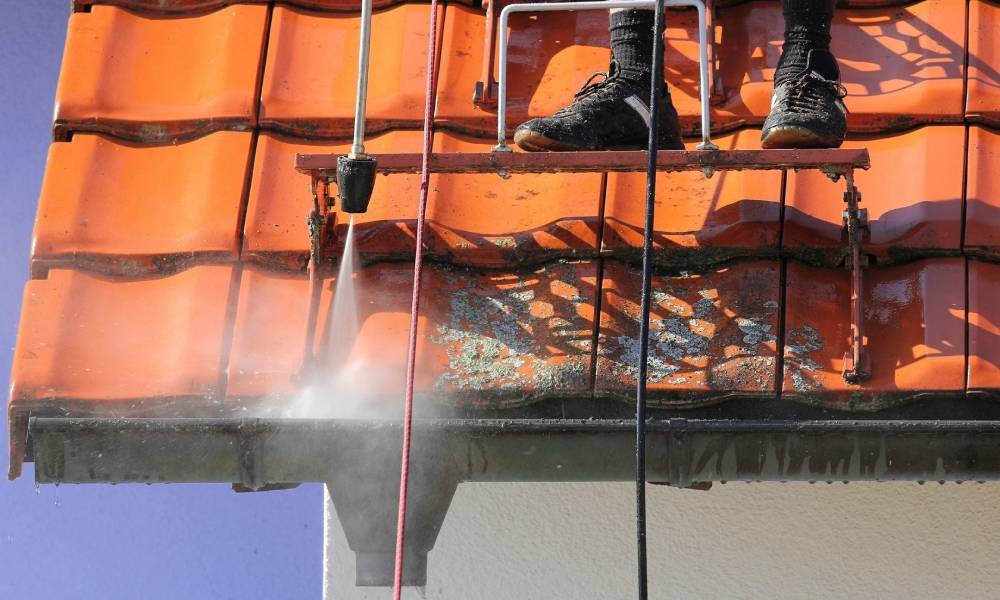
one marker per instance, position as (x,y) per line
(656,84)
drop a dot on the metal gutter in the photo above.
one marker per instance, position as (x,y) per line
(258,452)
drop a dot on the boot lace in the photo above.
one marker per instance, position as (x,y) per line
(809,91)
(597,82)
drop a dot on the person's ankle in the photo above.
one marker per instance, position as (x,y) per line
(795,58)
(632,45)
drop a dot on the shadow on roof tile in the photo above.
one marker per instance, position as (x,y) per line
(487,340)
(984,62)
(913,194)
(698,221)
(713,336)
(472,219)
(903,66)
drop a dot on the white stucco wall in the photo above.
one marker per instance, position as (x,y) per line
(549,541)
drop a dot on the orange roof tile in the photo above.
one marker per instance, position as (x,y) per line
(549,59)
(97,340)
(918,70)
(155,80)
(472,219)
(269,336)
(984,328)
(982,213)
(311,70)
(482,219)
(699,221)
(161,6)
(984,62)
(89,346)
(901,65)
(487,339)
(912,211)
(914,325)
(712,335)
(276,233)
(920,73)
(130,210)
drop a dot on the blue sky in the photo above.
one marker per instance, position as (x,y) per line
(125,541)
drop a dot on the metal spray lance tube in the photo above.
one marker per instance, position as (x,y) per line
(361,98)
(356,171)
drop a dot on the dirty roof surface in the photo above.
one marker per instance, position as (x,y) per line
(168,267)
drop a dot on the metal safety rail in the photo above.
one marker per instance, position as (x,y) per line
(486,88)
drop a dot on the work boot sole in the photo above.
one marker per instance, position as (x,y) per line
(794,137)
(532,141)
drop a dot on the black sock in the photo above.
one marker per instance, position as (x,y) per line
(807,27)
(632,44)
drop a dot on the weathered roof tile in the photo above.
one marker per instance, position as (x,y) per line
(311,71)
(914,326)
(155,80)
(131,210)
(913,195)
(713,336)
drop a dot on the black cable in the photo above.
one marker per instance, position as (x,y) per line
(656,86)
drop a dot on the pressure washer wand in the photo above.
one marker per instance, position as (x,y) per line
(356,171)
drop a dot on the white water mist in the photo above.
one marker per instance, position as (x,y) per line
(343,385)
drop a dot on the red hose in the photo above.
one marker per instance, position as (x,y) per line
(411,358)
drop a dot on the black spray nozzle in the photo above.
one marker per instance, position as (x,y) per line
(355,182)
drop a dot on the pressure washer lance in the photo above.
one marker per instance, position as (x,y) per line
(355,182)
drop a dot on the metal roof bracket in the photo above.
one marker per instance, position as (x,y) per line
(320,224)
(857,363)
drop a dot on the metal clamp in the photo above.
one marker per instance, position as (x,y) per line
(706,142)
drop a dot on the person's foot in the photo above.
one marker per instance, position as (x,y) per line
(807,108)
(611,114)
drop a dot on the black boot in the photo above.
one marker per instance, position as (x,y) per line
(613,113)
(807,107)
